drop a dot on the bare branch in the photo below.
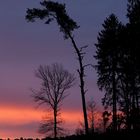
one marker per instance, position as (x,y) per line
(82,48)
(55,81)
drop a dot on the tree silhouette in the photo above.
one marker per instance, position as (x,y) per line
(133,27)
(107,56)
(91,114)
(55,11)
(91,108)
(47,125)
(131,5)
(55,82)
(106,119)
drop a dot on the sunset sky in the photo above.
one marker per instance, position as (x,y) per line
(24,46)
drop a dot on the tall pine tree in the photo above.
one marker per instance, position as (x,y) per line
(107,56)
(133,28)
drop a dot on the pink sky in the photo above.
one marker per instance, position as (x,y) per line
(16,118)
(24,46)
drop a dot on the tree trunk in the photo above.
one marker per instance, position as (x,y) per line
(84,111)
(92,124)
(82,84)
(114,100)
(55,123)
(133,104)
(127,107)
(127,104)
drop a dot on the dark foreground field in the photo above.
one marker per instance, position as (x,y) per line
(103,136)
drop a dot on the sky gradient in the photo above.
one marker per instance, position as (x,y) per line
(24,46)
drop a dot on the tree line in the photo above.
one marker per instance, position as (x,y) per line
(118,68)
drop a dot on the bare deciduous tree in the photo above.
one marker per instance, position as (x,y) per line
(106,118)
(91,115)
(91,107)
(55,82)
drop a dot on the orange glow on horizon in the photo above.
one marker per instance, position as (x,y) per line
(14,118)
(25,115)
(17,117)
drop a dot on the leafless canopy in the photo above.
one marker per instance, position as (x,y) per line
(55,81)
